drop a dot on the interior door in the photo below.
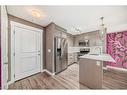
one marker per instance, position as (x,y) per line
(27,52)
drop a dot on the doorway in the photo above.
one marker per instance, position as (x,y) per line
(26,50)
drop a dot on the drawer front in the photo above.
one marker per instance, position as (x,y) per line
(70,58)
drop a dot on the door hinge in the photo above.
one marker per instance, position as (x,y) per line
(14,75)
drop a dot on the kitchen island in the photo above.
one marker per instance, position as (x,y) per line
(91,69)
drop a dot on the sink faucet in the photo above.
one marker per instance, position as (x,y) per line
(98,47)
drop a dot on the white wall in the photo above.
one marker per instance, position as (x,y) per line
(4,43)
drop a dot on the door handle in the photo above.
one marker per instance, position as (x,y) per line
(39,54)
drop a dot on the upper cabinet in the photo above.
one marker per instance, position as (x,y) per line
(64,35)
(59,31)
(92,38)
(70,41)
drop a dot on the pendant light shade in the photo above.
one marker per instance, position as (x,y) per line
(102,30)
(102,34)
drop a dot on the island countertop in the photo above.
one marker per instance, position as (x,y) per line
(101,57)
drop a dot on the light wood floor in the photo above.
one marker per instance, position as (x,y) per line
(114,79)
(69,79)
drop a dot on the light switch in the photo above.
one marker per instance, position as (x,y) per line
(98,63)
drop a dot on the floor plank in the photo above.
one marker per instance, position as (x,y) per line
(115,79)
(69,79)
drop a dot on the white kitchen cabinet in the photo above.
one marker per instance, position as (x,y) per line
(70,41)
(57,33)
(70,50)
(64,35)
(70,58)
(75,57)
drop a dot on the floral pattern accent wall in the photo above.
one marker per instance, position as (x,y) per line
(117,48)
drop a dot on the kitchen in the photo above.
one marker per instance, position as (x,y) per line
(76,46)
(66,56)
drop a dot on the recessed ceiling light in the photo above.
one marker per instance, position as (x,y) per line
(36,13)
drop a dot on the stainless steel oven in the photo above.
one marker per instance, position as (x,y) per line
(83,51)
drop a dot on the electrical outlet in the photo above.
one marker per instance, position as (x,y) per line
(98,63)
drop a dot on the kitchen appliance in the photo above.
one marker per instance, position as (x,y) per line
(84,51)
(84,43)
(60,54)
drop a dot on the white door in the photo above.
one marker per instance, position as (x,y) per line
(27,52)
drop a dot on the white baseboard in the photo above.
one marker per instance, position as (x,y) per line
(45,70)
(116,68)
(9,83)
(5,87)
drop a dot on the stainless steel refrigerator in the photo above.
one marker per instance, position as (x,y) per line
(60,54)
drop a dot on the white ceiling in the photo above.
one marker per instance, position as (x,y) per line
(85,18)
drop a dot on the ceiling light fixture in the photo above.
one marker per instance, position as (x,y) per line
(102,34)
(102,30)
(77,29)
(36,14)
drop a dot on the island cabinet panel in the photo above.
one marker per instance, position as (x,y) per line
(91,73)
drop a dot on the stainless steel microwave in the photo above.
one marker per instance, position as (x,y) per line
(84,43)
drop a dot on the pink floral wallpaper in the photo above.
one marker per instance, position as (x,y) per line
(117,48)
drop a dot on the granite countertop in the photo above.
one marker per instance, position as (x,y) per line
(101,57)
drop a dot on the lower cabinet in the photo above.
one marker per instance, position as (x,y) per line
(75,57)
(72,57)
(91,73)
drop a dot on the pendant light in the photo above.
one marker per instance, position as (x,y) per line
(102,34)
(102,30)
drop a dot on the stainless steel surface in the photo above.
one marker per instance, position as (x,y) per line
(84,43)
(83,51)
(60,54)
(94,54)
